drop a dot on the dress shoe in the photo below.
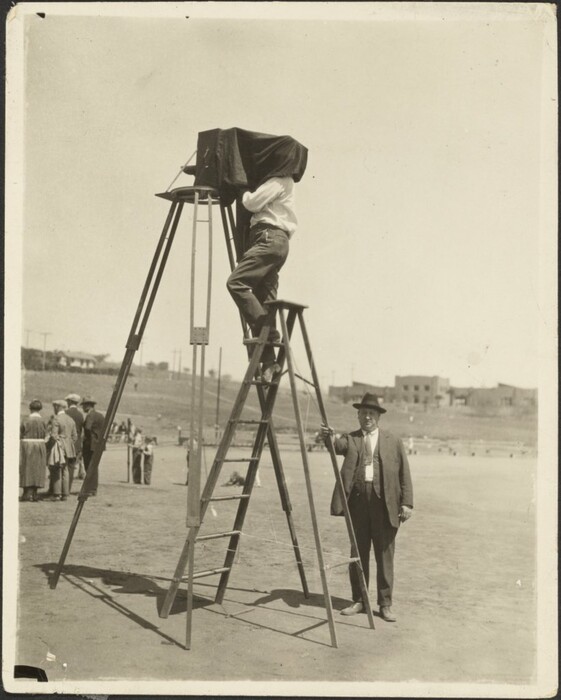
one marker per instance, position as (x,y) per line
(353,609)
(270,372)
(386,614)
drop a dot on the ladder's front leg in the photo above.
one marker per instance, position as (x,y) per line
(178,576)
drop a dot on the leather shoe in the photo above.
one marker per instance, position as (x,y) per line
(386,614)
(270,372)
(353,609)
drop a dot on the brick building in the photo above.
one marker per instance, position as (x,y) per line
(421,389)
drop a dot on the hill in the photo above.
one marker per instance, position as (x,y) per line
(160,405)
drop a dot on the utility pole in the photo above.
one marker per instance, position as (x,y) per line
(174,353)
(179,368)
(27,334)
(141,348)
(217,421)
(44,348)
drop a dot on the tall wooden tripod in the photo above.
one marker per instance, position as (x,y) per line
(202,198)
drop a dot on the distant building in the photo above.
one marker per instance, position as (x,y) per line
(503,396)
(354,393)
(431,391)
(82,360)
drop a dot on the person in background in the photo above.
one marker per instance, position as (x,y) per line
(93,432)
(190,449)
(33,452)
(66,430)
(379,492)
(56,461)
(78,417)
(148,452)
(137,451)
(255,280)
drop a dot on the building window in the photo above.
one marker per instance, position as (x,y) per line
(427,387)
(416,387)
(405,387)
(415,399)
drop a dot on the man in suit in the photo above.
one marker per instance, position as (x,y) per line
(78,417)
(93,431)
(379,492)
(64,427)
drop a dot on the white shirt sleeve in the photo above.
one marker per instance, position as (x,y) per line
(263,195)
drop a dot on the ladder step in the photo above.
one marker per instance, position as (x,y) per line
(208,572)
(241,459)
(342,563)
(249,422)
(217,535)
(226,498)
(268,343)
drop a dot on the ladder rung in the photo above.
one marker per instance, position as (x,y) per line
(241,459)
(249,422)
(208,572)
(256,341)
(343,563)
(227,498)
(217,535)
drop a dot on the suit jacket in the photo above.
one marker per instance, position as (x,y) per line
(398,488)
(67,433)
(93,429)
(78,418)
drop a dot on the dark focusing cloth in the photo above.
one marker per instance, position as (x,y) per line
(232,159)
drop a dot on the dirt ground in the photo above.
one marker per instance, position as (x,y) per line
(464,594)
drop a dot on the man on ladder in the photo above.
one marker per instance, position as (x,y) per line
(255,280)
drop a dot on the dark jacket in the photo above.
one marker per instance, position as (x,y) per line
(93,430)
(398,488)
(78,418)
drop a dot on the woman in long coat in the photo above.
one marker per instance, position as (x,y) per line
(33,453)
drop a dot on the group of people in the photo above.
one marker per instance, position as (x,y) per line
(142,457)
(52,449)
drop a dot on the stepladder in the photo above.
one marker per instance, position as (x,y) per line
(287,314)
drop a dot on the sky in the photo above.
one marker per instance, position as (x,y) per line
(421,235)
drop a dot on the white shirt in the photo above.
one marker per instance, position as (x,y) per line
(273,203)
(369,468)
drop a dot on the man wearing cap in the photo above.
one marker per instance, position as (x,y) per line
(93,430)
(63,426)
(379,492)
(78,417)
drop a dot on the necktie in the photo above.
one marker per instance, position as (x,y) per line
(367,449)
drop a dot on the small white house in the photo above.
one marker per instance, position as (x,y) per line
(77,359)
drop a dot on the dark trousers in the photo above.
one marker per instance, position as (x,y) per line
(87,455)
(137,465)
(256,278)
(372,527)
(71,464)
(148,463)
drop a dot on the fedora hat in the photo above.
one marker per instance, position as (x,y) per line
(60,402)
(75,398)
(369,401)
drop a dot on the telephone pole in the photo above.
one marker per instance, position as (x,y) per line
(217,421)
(45,348)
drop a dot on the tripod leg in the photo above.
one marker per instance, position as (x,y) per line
(139,323)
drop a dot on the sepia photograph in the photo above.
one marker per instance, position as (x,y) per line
(280,363)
